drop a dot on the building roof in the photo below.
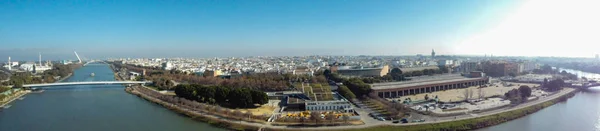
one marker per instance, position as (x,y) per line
(440,79)
(411,69)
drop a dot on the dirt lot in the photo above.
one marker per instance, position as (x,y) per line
(459,94)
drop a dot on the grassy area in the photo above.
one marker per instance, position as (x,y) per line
(262,110)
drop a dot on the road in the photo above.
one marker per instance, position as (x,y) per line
(370,122)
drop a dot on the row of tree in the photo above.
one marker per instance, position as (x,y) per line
(519,95)
(344,91)
(553,85)
(203,107)
(224,96)
(257,81)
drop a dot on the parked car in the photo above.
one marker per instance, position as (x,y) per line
(396,121)
(404,120)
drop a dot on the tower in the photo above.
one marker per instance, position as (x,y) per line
(432,53)
(40,59)
(9,64)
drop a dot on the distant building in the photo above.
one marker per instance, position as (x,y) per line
(411,69)
(445,63)
(27,66)
(133,75)
(426,85)
(361,72)
(432,54)
(212,73)
(527,66)
(597,57)
(167,66)
(466,67)
(500,68)
(302,70)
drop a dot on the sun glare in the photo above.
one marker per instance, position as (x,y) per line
(542,28)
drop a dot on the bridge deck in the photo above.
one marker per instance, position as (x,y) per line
(87,83)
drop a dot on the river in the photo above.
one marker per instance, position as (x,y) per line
(579,113)
(92,108)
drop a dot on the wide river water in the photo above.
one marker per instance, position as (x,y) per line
(109,107)
(579,113)
(92,108)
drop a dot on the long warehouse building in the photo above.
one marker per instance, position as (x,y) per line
(427,85)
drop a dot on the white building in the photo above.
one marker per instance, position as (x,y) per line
(329,106)
(27,66)
(167,66)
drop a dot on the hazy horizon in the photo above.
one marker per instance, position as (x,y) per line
(199,29)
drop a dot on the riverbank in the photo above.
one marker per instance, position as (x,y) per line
(62,79)
(203,117)
(477,122)
(467,123)
(13,97)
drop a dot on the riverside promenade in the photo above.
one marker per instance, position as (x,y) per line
(268,126)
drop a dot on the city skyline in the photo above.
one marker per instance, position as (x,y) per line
(295,28)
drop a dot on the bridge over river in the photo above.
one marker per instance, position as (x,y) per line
(87,83)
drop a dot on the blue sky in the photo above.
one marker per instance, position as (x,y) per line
(194,28)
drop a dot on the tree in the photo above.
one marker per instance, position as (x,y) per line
(555,85)
(302,119)
(470,93)
(346,118)
(344,91)
(248,115)
(316,116)
(525,91)
(330,117)
(481,93)
(238,113)
(259,97)
(546,68)
(358,87)
(221,94)
(396,74)
(466,94)
(240,97)
(18,84)
(327,73)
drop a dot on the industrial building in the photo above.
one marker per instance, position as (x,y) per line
(361,72)
(428,84)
